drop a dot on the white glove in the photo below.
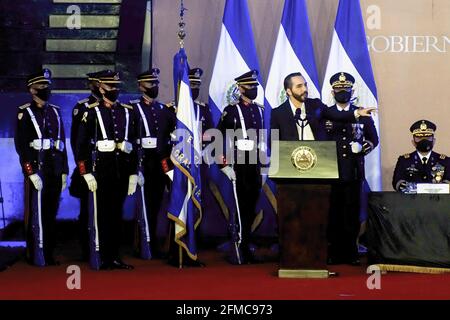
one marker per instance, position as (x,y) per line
(36,180)
(64,182)
(141,179)
(170,174)
(229,172)
(91,182)
(356,147)
(132,184)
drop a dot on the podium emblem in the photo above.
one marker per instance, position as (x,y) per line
(303,158)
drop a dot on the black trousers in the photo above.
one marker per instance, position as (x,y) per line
(155,183)
(248,185)
(79,189)
(83,230)
(50,198)
(112,190)
(343,220)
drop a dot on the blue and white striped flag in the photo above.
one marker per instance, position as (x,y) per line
(185,198)
(349,53)
(236,55)
(293,53)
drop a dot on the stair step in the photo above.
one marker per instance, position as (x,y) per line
(75,70)
(88,1)
(88,8)
(87,21)
(69,84)
(79,58)
(81,34)
(75,45)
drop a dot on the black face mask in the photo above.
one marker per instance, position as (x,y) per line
(343,96)
(195,92)
(111,95)
(152,92)
(96,92)
(43,94)
(251,93)
(424,145)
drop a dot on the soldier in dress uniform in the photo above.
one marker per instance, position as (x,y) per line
(155,123)
(39,142)
(78,187)
(107,161)
(422,165)
(203,116)
(353,141)
(244,168)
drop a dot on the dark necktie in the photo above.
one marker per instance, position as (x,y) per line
(424,160)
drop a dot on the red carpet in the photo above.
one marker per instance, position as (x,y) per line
(219,280)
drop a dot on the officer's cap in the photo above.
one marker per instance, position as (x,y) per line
(109,77)
(195,75)
(93,76)
(151,75)
(423,128)
(42,77)
(342,80)
(250,78)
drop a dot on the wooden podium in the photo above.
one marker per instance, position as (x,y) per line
(303,172)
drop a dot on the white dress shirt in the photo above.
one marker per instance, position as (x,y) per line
(307,131)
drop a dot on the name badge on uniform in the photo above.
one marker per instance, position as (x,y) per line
(126,147)
(106,145)
(245,145)
(149,142)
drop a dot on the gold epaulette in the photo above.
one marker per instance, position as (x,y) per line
(24,106)
(406,155)
(170,104)
(93,105)
(82,101)
(442,156)
(54,106)
(259,105)
(200,103)
(126,106)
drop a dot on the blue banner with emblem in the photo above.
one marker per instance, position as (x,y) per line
(185,200)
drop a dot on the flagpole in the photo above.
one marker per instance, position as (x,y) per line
(181,35)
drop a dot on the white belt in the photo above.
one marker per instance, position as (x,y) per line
(111,145)
(148,142)
(46,144)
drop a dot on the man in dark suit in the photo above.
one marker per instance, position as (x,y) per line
(302,118)
(353,141)
(422,165)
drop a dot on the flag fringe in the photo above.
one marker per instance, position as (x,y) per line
(414,269)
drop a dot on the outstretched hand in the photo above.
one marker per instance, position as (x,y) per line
(367,112)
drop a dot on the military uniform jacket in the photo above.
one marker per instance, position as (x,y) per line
(114,119)
(161,122)
(253,119)
(351,165)
(77,114)
(54,162)
(203,111)
(409,168)
(317,113)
